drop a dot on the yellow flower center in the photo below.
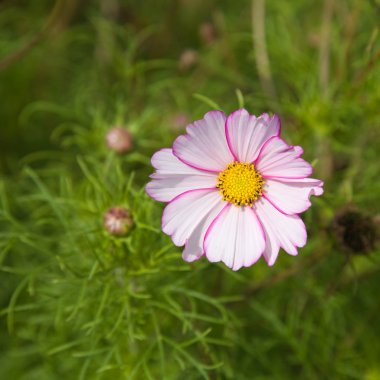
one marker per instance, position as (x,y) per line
(240,183)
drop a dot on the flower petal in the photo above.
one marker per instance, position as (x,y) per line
(184,213)
(286,231)
(165,162)
(279,160)
(205,145)
(194,246)
(173,177)
(235,237)
(292,196)
(246,134)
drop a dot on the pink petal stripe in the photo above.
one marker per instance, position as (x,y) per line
(279,160)
(194,245)
(173,177)
(205,145)
(286,231)
(246,134)
(211,226)
(164,188)
(165,162)
(291,196)
(177,150)
(235,237)
(183,214)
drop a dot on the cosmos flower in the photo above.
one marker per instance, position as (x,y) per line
(234,188)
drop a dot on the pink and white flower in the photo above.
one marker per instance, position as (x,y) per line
(234,188)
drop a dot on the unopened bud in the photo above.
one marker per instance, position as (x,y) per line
(119,139)
(188,59)
(207,33)
(118,221)
(355,231)
(179,121)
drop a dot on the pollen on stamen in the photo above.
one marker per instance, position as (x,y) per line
(240,183)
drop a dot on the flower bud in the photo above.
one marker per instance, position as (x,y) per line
(207,32)
(118,221)
(119,139)
(179,121)
(188,59)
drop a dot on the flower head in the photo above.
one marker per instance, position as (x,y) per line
(234,188)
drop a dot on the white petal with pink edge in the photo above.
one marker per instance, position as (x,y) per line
(286,231)
(183,214)
(292,196)
(194,246)
(235,237)
(173,177)
(205,145)
(165,162)
(279,160)
(246,134)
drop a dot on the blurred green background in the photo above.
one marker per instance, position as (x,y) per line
(78,303)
